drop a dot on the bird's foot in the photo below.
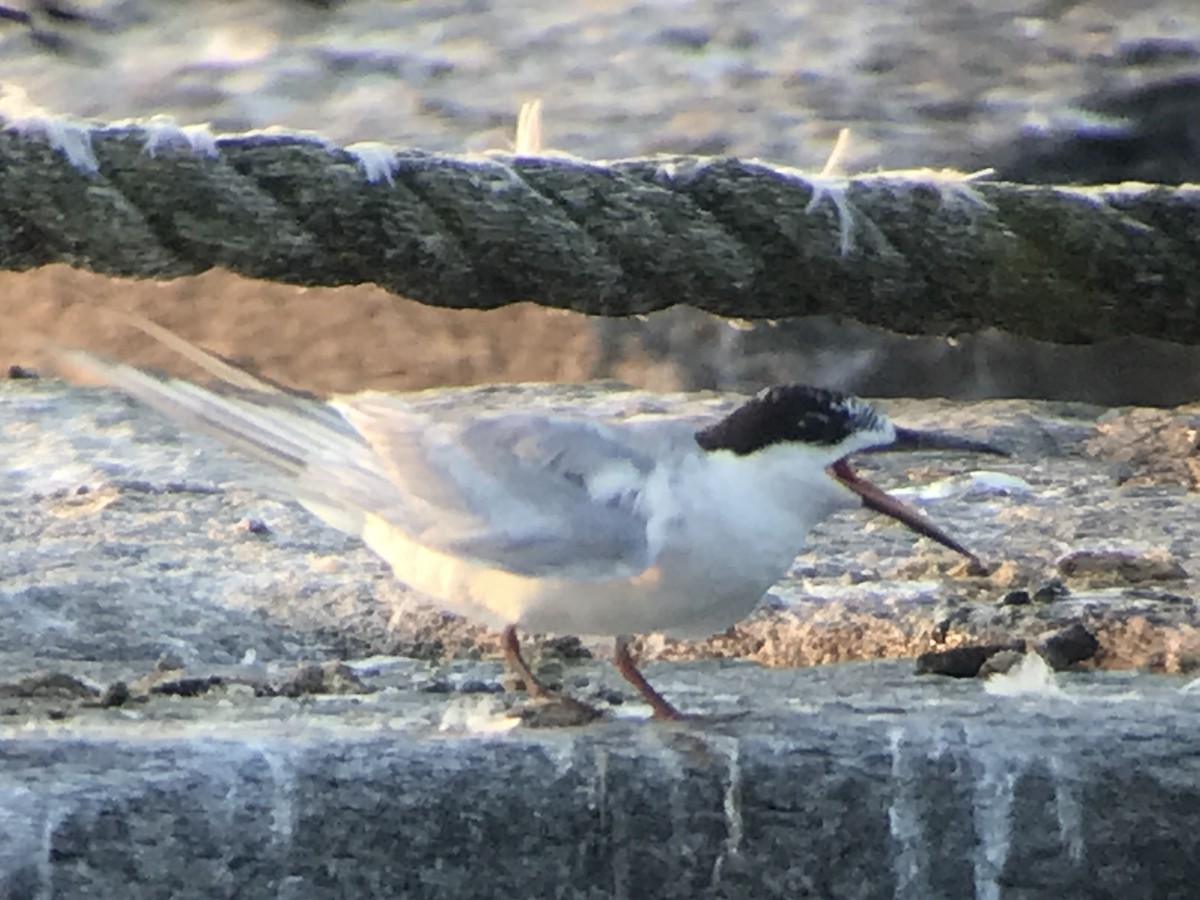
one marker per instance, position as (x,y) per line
(550,709)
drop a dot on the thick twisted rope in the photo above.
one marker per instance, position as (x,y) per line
(917,252)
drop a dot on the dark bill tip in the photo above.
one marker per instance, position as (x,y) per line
(910,439)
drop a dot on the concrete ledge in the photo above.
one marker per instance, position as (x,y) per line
(875,784)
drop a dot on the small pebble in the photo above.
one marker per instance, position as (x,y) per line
(476,686)
(608,695)
(565,647)
(1016,598)
(1050,592)
(116,694)
(185,687)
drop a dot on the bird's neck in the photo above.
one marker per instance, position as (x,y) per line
(762,506)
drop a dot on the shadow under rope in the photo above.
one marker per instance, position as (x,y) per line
(703,351)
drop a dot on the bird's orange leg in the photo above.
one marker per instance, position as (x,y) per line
(623,660)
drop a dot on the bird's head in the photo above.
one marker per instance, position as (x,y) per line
(831,426)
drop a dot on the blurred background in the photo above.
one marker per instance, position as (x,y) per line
(1080,91)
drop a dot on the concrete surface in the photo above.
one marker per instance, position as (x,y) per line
(150,745)
(854,781)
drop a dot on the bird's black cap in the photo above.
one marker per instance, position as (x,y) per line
(790,412)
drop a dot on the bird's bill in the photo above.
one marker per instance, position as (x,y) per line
(909,439)
(881,501)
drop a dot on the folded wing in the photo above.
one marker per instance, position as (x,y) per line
(531,494)
(534,495)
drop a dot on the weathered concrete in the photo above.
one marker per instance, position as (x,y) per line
(855,780)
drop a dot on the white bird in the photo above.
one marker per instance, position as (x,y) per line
(552,523)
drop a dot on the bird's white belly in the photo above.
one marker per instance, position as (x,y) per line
(657,599)
(686,594)
(492,597)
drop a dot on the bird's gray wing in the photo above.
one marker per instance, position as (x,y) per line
(531,494)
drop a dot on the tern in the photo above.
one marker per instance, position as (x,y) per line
(555,523)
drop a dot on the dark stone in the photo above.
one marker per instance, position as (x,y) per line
(256,526)
(1068,646)
(116,694)
(186,687)
(1016,598)
(566,647)
(1050,592)
(961,662)
(611,696)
